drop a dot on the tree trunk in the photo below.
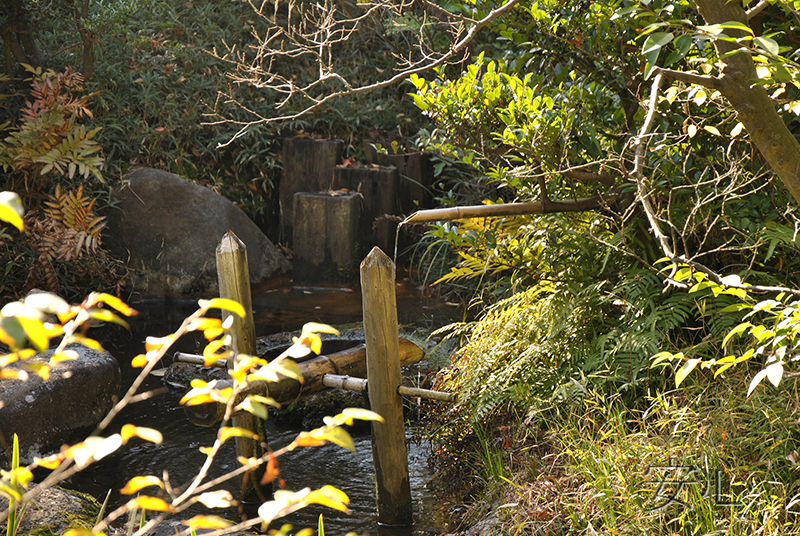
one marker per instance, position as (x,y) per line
(755,109)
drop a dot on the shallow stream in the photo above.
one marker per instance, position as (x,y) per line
(276,309)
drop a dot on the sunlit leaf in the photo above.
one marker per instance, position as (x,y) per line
(156,343)
(47,302)
(140,361)
(738,330)
(774,373)
(315,327)
(349,414)
(50,462)
(756,380)
(104,315)
(691,130)
(217,499)
(712,130)
(66,355)
(207,522)
(11,210)
(144,502)
(227,432)
(93,448)
(87,342)
(305,439)
(80,532)
(138,483)
(148,434)
(272,471)
(224,304)
(684,371)
(736,130)
(116,303)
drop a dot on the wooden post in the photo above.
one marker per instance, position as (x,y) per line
(383,373)
(234,284)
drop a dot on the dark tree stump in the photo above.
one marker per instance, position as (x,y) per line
(307,167)
(416,176)
(326,237)
(379,188)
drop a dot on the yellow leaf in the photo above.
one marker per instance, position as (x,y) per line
(196,397)
(104,315)
(116,303)
(330,497)
(148,434)
(762,71)
(222,303)
(47,302)
(305,439)
(692,130)
(712,130)
(156,343)
(737,130)
(211,348)
(81,532)
(86,341)
(700,97)
(50,462)
(139,361)
(671,94)
(140,482)
(217,499)
(66,355)
(227,432)
(11,210)
(203,323)
(207,522)
(13,374)
(315,327)
(149,503)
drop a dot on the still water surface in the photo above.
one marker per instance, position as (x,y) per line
(276,309)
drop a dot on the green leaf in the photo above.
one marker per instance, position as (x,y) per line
(655,41)
(741,328)
(767,45)
(684,371)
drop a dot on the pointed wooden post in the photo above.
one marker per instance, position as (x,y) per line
(234,284)
(383,373)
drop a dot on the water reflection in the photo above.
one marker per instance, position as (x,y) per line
(277,308)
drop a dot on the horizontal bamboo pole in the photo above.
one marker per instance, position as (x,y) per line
(196,359)
(503,209)
(352,361)
(361,385)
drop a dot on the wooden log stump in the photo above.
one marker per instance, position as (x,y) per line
(379,188)
(234,284)
(416,175)
(326,240)
(307,167)
(389,452)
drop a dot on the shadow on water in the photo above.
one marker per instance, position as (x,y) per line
(277,308)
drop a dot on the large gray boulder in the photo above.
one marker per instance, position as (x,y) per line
(167,229)
(47,414)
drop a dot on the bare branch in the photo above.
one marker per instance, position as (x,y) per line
(257,76)
(756,9)
(710,82)
(643,194)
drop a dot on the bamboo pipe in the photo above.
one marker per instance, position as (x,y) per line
(352,361)
(361,385)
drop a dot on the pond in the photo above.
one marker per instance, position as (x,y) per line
(277,308)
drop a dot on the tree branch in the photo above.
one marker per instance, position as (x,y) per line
(756,9)
(710,82)
(642,191)
(453,52)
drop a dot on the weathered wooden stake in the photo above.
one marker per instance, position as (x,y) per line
(383,373)
(234,284)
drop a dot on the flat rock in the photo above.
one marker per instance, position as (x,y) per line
(55,510)
(47,414)
(167,229)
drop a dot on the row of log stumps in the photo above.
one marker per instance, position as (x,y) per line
(333,214)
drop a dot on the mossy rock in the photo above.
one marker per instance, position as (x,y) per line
(56,510)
